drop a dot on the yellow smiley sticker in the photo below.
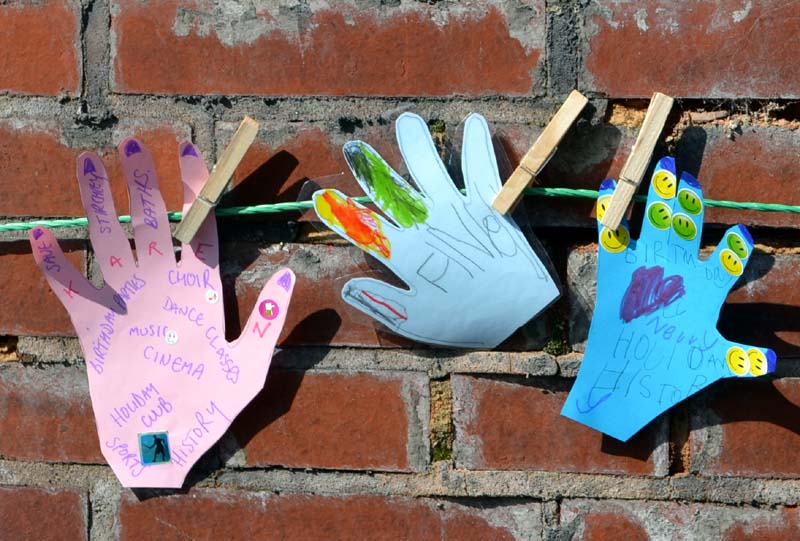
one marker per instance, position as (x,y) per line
(738,361)
(664,184)
(615,241)
(602,205)
(758,362)
(731,262)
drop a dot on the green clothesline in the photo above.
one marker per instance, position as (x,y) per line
(275,208)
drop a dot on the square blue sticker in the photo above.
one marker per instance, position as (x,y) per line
(154,448)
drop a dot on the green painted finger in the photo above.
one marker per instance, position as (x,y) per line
(386,188)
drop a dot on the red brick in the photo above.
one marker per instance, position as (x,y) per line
(229,515)
(277,172)
(611,527)
(39,168)
(508,426)
(780,525)
(760,164)
(604,520)
(694,49)
(339,421)
(753,429)
(29,305)
(615,520)
(32,513)
(47,416)
(39,47)
(338,50)
(762,312)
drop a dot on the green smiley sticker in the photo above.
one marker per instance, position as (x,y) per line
(684,227)
(737,245)
(690,201)
(659,215)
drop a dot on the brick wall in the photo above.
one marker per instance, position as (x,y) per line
(359,434)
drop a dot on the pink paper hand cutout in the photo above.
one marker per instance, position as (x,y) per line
(165,384)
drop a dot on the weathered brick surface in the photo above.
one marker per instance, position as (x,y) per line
(218,514)
(38,167)
(29,305)
(40,47)
(592,520)
(179,47)
(47,416)
(781,524)
(339,421)
(697,49)
(517,426)
(283,158)
(748,428)
(32,513)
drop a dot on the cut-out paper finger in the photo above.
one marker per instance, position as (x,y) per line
(388,190)
(364,228)
(263,327)
(660,202)
(612,243)
(478,162)
(386,303)
(687,218)
(109,241)
(747,361)
(728,261)
(72,288)
(423,161)
(203,252)
(148,213)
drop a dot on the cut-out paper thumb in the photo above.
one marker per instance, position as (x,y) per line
(653,340)
(165,383)
(472,277)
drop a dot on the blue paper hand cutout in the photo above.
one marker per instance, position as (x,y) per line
(653,339)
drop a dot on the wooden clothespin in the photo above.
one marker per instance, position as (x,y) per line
(542,150)
(218,180)
(633,171)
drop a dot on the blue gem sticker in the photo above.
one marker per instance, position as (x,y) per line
(154,448)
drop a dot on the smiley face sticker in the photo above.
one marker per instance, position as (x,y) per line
(664,183)
(659,215)
(737,245)
(731,262)
(684,226)
(602,205)
(690,201)
(268,309)
(738,361)
(615,241)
